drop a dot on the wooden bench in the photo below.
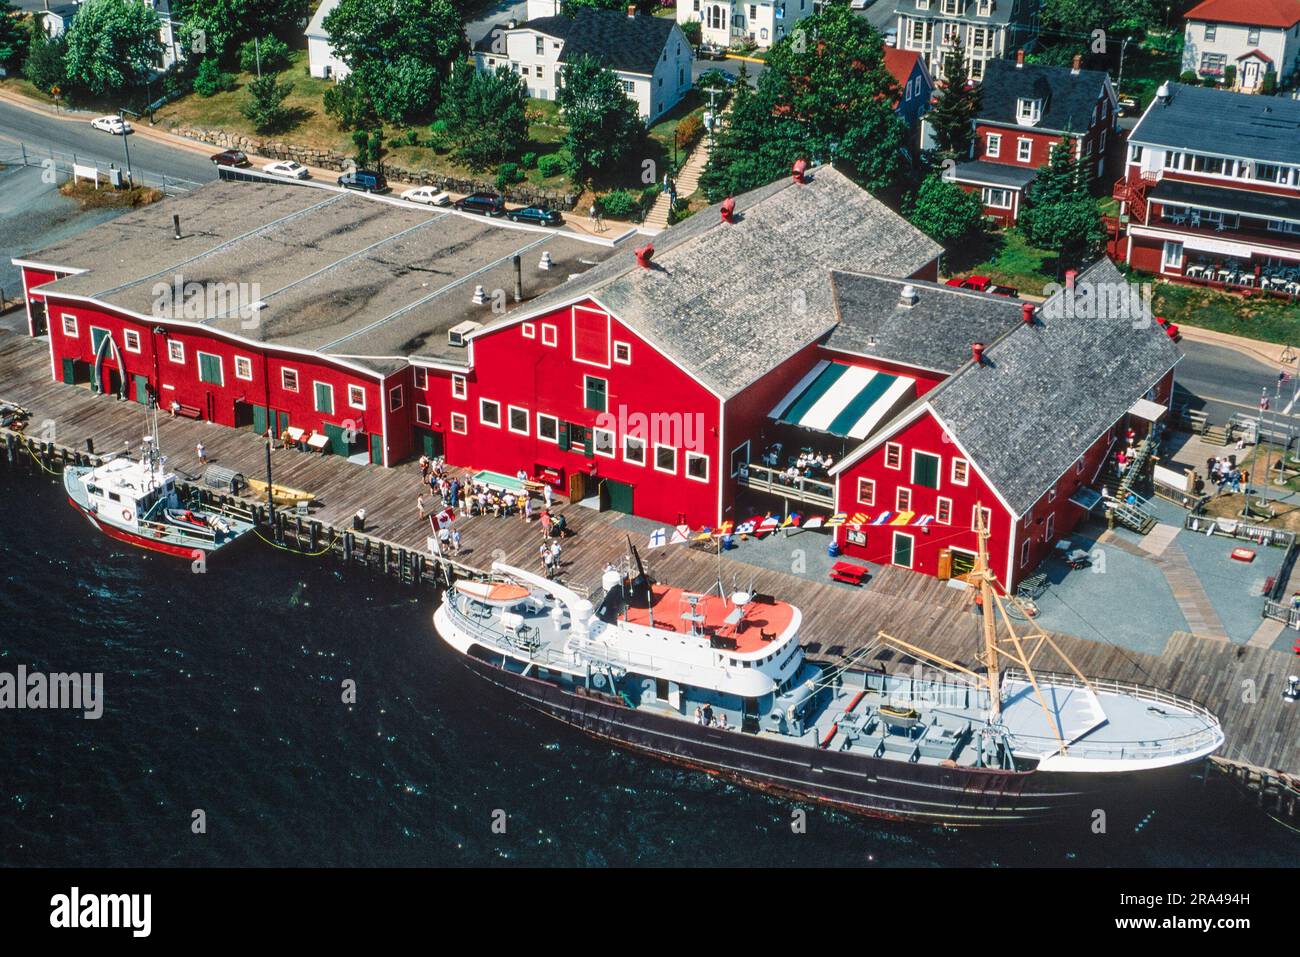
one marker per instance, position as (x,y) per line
(187,411)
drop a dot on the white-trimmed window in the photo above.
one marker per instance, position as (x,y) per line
(289,379)
(995,197)
(458,390)
(1049,528)
(518,420)
(1078,467)
(602,443)
(623,353)
(421,378)
(893,455)
(549,335)
(595,393)
(70,325)
(697,466)
(943,511)
(1051,496)
(356,396)
(548,427)
(960,472)
(1028,110)
(396,396)
(210,369)
(925,469)
(176,351)
(666,459)
(992,145)
(243,368)
(975,513)
(324,397)
(459,424)
(1024,553)
(633,450)
(131,340)
(489,412)
(866,491)
(903,549)
(903,499)
(529,330)
(1024,149)
(423,414)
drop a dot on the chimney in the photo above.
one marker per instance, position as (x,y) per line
(1020,59)
(1076,63)
(1070,275)
(519,278)
(977,353)
(176,225)
(631,9)
(728,210)
(908,297)
(1027,313)
(800,170)
(644,255)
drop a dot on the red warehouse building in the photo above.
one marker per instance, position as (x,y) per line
(1212,190)
(1023,428)
(1025,112)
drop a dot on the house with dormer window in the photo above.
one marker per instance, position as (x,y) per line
(726,22)
(650,55)
(984,30)
(1240,43)
(1026,110)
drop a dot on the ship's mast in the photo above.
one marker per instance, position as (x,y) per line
(986,600)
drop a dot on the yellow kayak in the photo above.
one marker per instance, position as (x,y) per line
(280,495)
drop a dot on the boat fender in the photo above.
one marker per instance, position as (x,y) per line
(126,514)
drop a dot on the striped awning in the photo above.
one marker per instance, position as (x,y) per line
(844,400)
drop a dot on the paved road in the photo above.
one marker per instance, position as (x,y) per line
(1223,382)
(150,160)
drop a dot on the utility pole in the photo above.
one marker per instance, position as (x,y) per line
(1119,81)
(121,116)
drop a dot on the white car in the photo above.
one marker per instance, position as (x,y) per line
(111,124)
(427,195)
(859,4)
(287,168)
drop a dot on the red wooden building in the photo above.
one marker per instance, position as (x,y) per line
(1026,110)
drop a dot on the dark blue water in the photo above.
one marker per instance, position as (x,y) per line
(223,692)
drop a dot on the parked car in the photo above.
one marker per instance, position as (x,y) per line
(711,51)
(111,124)
(428,195)
(287,168)
(859,4)
(983,284)
(1128,105)
(713,77)
(484,204)
(230,158)
(538,215)
(364,179)
(891,37)
(1170,328)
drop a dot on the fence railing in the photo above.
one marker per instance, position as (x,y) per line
(60,165)
(801,489)
(1235,528)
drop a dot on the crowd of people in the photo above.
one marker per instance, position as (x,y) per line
(706,717)
(1224,473)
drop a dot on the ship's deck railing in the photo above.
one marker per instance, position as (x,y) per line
(197,533)
(1148,747)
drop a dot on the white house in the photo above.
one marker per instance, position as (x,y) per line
(724,22)
(322,61)
(650,55)
(57,17)
(1254,37)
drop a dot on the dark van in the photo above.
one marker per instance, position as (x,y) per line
(364,179)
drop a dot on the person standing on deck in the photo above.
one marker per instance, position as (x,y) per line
(202,452)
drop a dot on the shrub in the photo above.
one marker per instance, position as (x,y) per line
(1229,76)
(274,52)
(440,135)
(210,79)
(620,204)
(528,161)
(1189,77)
(689,131)
(552,164)
(1269,86)
(693,32)
(508,173)
(349,104)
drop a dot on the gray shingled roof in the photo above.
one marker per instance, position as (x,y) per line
(1046,392)
(1069,98)
(615,40)
(729,302)
(935,332)
(999,14)
(1223,124)
(995,174)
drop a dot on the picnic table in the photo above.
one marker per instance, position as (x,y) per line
(849,573)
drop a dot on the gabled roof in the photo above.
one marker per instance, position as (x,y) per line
(933,333)
(1221,123)
(1281,14)
(901,63)
(316,27)
(615,40)
(1258,54)
(728,302)
(1044,393)
(1002,12)
(1069,98)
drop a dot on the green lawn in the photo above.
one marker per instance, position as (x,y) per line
(1147,66)
(1006,258)
(1255,317)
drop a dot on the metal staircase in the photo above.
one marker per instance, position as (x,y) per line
(1134,515)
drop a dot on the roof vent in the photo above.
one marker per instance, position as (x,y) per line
(480,296)
(728,210)
(800,171)
(644,254)
(977,353)
(1070,276)
(545,262)
(631,9)
(908,296)
(1027,313)
(1020,59)
(1163,93)
(176,225)
(458,334)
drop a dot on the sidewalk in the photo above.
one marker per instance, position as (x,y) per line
(1269,352)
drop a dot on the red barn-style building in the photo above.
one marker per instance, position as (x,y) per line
(1025,112)
(1021,428)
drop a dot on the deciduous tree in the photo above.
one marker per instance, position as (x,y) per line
(485,114)
(944,211)
(604,126)
(112,45)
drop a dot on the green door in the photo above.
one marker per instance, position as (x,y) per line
(142,389)
(96,337)
(338,437)
(259,419)
(282,422)
(428,442)
(902,550)
(376,449)
(70,371)
(324,398)
(620,496)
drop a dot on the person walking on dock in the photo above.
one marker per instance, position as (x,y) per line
(419,503)
(546,493)
(549,562)
(203,453)
(545,521)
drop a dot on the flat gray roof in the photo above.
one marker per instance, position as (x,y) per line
(338,273)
